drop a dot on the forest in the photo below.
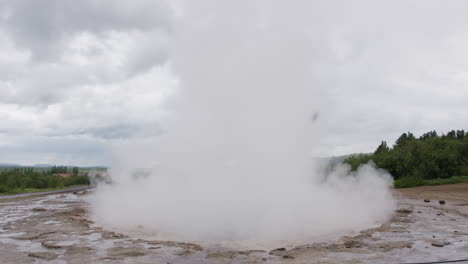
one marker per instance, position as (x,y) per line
(23,179)
(426,160)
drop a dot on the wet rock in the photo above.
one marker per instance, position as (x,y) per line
(389,246)
(320,247)
(427,200)
(79,251)
(277,251)
(233,254)
(32,236)
(280,252)
(404,211)
(74,212)
(222,254)
(184,252)
(251,251)
(126,252)
(38,209)
(441,202)
(110,235)
(50,245)
(43,255)
(183,245)
(437,244)
(154,247)
(353,244)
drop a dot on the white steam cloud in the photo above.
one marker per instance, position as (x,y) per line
(235,161)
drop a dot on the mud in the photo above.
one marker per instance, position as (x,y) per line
(58,229)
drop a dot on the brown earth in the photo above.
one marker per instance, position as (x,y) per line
(58,229)
(457,193)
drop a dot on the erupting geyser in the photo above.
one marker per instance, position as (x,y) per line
(235,160)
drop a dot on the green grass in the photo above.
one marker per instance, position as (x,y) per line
(407,182)
(33,190)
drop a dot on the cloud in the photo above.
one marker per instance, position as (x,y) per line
(68,150)
(103,69)
(88,69)
(46,26)
(117,110)
(53,47)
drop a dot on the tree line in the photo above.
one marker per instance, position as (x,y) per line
(14,180)
(430,156)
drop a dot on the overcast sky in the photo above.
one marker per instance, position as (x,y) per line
(77,77)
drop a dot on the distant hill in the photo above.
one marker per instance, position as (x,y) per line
(43,165)
(94,167)
(9,165)
(13,165)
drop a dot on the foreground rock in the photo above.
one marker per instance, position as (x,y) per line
(64,233)
(43,255)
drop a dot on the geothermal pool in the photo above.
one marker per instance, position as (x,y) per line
(58,229)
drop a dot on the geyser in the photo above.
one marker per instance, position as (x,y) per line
(236,158)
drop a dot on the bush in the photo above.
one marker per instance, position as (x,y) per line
(407,182)
(429,159)
(15,180)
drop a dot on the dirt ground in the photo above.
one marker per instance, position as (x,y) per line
(57,229)
(457,193)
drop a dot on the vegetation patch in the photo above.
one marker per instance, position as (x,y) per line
(28,179)
(431,159)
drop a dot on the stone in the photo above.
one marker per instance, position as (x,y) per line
(43,255)
(126,252)
(440,244)
(427,200)
(50,245)
(353,244)
(441,202)
(404,211)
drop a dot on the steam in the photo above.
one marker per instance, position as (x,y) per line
(236,159)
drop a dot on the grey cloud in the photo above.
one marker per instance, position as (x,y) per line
(68,150)
(382,67)
(122,131)
(68,144)
(58,46)
(42,26)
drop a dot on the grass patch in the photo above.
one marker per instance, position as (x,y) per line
(33,190)
(407,182)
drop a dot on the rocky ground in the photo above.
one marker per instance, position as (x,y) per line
(57,229)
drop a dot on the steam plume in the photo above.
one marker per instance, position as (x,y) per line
(235,160)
